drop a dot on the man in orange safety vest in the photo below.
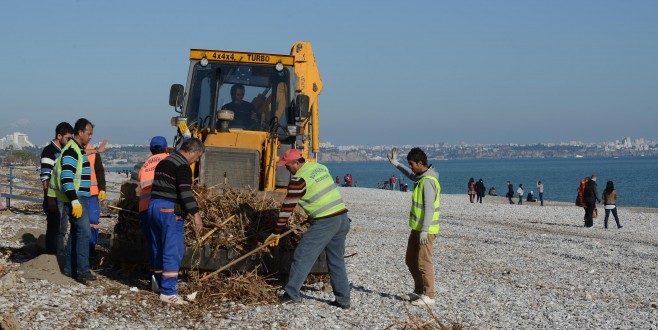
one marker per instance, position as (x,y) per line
(146,173)
(97,191)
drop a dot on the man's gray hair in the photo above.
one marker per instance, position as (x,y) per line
(193,144)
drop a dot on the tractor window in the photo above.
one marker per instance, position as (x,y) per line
(255,93)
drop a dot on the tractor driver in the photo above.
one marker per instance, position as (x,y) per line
(245,113)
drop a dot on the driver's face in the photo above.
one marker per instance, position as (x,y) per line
(239,95)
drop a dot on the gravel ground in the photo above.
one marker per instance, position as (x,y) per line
(497,266)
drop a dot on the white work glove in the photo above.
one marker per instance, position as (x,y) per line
(76,209)
(393,157)
(184,130)
(423,238)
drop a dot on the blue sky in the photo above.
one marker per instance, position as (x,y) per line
(415,72)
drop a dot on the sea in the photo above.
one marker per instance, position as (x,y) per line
(635,178)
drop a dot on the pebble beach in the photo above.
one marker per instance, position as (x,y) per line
(496,266)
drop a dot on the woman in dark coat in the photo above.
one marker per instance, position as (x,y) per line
(591,196)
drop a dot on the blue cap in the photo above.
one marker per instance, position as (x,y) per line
(158,144)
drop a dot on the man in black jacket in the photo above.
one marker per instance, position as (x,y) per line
(591,196)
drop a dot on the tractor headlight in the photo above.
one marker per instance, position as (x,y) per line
(279,66)
(204,61)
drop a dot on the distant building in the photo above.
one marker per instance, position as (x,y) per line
(17,140)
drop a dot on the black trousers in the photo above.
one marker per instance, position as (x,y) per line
(589,210)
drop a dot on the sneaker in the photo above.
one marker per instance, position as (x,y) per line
(286,299)
(411,296)
(620,227)
(173,299)
(154,285)
(339,305)
(423,300)
(88,276)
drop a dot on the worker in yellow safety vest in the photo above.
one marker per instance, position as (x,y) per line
(145,176)
(313,188)
(97,190)
(423,221)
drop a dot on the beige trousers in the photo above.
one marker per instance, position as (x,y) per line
(419,261)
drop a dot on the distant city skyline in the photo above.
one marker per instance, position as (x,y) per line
(22,140)
(15,140)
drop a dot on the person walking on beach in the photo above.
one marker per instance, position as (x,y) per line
(312,188)
(580,198)
(55,229)
(479,190)
(391,181)
(520,192)
(540,186)
(423,221)
(510,192)
(591,196)
(471,190)
(610,203)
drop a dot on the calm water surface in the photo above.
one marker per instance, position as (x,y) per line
(636,179)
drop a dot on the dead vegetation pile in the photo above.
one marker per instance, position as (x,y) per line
(234,219)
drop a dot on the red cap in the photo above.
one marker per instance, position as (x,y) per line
(292,154)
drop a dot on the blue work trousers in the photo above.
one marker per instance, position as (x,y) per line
(94,212)
(326,234)
(76,259)
(167,243)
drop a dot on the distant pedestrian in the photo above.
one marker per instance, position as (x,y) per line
(479,190)
(520,192)
(610,203)
(391,181)
(471,190)
(590,196)
(55,229)
(423,221)
(580,198)
(531,197)
(540,186)
(510,192)
(337,180)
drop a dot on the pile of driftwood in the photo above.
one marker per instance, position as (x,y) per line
(232,218)
(237,219)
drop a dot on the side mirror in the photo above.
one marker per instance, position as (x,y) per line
(302,105)
(176,95)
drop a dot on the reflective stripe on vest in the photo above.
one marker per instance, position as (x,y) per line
(93,188)
(55,188)
(417,213)
(322,197)
(145,177)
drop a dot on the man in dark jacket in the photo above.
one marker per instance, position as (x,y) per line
(591,196)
